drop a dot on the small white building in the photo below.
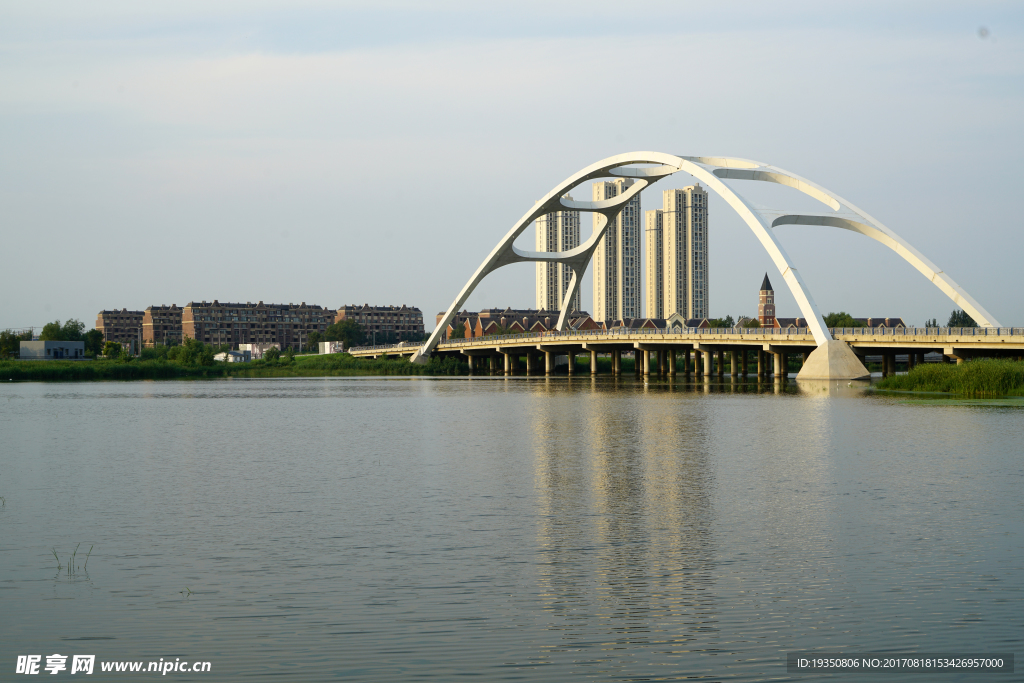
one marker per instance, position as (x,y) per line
(234,356)
(52,350)
(332,347)
(256,351)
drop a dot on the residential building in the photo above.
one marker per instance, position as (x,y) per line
(617,257)
(384,323)
(556,231)
(161,325)
(684,236)
(51,350)
(766,304)
(492,321)
(766,314)
(654,274)
(228,323)
(120,326)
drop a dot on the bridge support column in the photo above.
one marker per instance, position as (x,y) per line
(572,362)
(733,365)
(760,363)
(671,362)
(508,363)
(548,363)
(529,363)
(777,357)
(616,362)
(707,363)
(638,363)
(469,359)
(686,362)
(645,358)
(593,362)
(911,361)
(720,362)
(743,362)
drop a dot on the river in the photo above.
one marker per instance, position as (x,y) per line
(529,529)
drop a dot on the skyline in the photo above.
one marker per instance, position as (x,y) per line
(168,153)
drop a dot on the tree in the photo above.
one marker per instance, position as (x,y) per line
(458,331)
(727,321)
(841,319)
(348,331)
(753,322)
(93,342)
(190,352)
(51,332)
(960,318)
(931,323)
(313,340)
(10,343)
(71,330)
(111,349)
(271,354)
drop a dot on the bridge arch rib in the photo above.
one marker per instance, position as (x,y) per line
(711,171)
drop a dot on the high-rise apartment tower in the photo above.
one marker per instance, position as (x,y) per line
(617,257)
(654,273)
(685,238)
(556,231)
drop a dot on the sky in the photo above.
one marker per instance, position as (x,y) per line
(347,152)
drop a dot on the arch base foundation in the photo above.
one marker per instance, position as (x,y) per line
(833,360)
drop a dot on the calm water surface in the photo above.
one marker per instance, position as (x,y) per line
(491,529)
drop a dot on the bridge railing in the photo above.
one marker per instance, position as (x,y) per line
(712,331)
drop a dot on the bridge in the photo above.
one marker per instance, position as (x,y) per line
(830,358)
(710,351)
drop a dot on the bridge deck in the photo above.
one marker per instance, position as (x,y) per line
(956,342)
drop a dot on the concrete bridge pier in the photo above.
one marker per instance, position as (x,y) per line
(469,360)
(572,362)
(911,361)
(548,363)
(707,363)
(777,369)
(760,363)
(593,362)
(671,362)
(508,363)
(733,365)
(743,363)
(617,362)
(720,362)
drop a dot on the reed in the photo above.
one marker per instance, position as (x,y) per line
(85,566)
(984,377)
(59,565)
(304,366)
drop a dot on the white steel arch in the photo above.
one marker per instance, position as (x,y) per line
(712,171)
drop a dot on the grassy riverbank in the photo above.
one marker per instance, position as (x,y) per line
(334,365)
(982,377)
